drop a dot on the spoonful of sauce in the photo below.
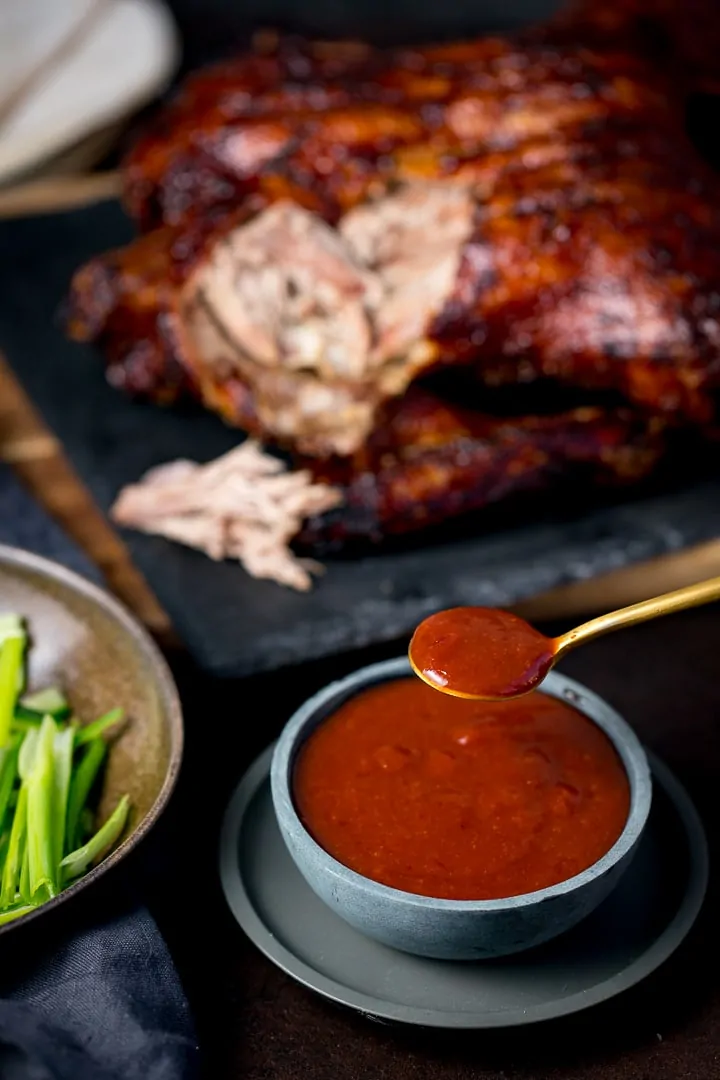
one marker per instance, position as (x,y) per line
(489,654)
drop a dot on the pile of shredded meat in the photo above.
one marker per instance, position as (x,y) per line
(245,505)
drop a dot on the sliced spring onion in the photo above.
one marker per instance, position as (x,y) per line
(98,727)
(26,757)
(15,912)
(15,853)
(81,784)
(41,797)
(4,844)
(23,721)
(52,701)
(24,883)
(77,862)
(8,774)
(12,677)
(10,626)
(62,771)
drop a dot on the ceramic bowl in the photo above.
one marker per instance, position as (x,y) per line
(88,644)
(456,929)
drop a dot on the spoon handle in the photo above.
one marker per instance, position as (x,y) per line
(690,596)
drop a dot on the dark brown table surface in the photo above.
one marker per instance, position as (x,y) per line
(255,1023)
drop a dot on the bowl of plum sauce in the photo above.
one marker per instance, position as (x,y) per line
(459,829)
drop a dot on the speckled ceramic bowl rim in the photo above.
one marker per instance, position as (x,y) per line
(12,558)
(327,700)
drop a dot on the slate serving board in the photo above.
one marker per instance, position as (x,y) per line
(232,624)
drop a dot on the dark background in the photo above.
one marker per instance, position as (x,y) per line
(212,21)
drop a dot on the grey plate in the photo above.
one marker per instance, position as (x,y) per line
(629,936)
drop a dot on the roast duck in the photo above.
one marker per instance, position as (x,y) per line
(350,253)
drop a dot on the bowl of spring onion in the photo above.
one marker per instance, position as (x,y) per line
(91,735)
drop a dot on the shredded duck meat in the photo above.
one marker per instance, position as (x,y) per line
(244,505)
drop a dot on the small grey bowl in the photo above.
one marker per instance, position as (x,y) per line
(456,929)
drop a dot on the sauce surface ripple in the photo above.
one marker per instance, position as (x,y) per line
(460,799)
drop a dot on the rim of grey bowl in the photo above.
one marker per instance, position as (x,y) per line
(18,557)
(617,729)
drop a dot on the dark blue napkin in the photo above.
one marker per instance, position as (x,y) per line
(105,1002)
(104,1005)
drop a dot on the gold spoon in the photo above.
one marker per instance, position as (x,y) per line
(488,654)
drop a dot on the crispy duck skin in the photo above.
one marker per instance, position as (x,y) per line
(589,254)
(431,461)
(327,126)
(327,122)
